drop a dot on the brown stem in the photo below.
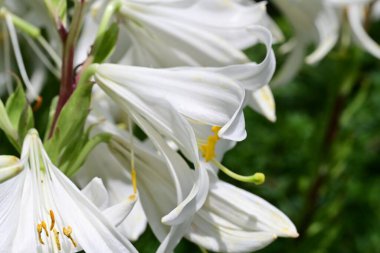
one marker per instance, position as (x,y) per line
(328,140)
(68,79)
(67,84)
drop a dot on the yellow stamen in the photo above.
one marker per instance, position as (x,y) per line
(39,230)
(56,237)
(43,225)
(67,232)
(52,217)
(208,149)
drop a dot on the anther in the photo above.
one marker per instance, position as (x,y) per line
(208,149)
(39,230)
(56,237)
(215,129)
(43,225)
(67,232)
(38,104)
(52,220)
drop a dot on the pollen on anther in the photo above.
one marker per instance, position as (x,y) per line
(52,217)
(43,225)
(39,230)
(67,232)
(208,149)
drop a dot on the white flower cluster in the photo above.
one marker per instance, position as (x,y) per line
(176,71)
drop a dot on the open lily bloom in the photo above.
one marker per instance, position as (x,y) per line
(319,22)
(43,211)
(357,12)
(164,34)
(172,98)
(170,37)
(182,103)
(231,220)
(313,23)
(202,34)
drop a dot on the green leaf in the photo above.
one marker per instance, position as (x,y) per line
(52,109)
(15,105)
(71,121)
(7,127)
(20,113)
(105,44)
(25,123)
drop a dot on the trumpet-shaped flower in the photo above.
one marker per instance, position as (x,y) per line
(209,33)
(204,33)
(313,23)
(43,211)
(231,220)
(357,12)
(172,98)
(318,22)
(177,103)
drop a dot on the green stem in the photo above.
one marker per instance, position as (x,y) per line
(111,8)
(332,128)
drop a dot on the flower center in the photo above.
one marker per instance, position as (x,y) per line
(53,232)
(208,149)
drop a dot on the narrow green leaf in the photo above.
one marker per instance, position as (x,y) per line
(25,123)
(105,44)
(52,109)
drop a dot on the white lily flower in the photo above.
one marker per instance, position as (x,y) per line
(357,10)
(172,98)
(43,211)
(231,220)
(207,33)
(203,34)
(319,22)
(313,23)
(181,100)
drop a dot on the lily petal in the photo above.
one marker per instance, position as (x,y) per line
(355,13)
(96,192)
(233,220)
